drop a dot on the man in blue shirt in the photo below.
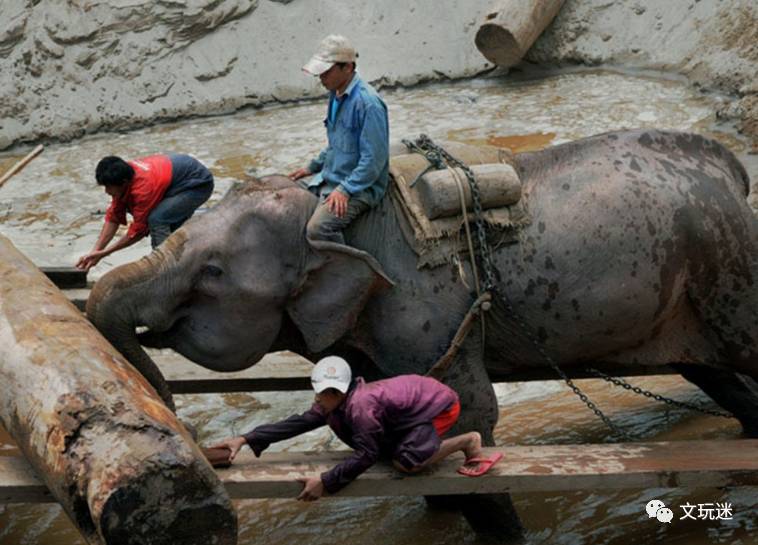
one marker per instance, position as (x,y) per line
(351,174)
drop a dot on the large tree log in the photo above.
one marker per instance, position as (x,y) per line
(117,459)
(512,27)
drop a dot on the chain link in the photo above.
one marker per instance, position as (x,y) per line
(441,159)
(637,390)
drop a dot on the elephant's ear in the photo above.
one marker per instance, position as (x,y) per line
(338,283)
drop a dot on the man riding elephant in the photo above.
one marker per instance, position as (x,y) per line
(351,174)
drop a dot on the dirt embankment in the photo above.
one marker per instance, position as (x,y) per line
(86,65)
(712,42)
(81,66)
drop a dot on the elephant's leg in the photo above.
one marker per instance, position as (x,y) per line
(735,392)
(490,515)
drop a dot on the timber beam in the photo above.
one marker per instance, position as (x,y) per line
(541,468)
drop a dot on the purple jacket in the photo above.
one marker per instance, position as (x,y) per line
(374,419)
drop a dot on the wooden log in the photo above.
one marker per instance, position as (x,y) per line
(499,185)
(15,169)
(541,468)
(512,27)
(116,458)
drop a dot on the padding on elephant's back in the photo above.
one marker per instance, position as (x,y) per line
(430,209)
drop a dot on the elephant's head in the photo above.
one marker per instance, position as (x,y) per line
(218,289)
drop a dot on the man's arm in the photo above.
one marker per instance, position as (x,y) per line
(110,228)
(366,452)
(365,455)
(261,437)
(317,164)
(373,147)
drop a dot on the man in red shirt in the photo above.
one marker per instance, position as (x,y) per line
(161,192)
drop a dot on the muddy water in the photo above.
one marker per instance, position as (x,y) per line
(53,212)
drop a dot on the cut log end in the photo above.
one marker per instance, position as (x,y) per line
(167,509)
(498,45)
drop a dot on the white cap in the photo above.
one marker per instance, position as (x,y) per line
(331,372)
(332,49)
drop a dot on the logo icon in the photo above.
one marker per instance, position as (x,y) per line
(664,514)
(653,506)
(657,509)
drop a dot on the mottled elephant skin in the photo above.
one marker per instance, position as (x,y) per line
(641,250)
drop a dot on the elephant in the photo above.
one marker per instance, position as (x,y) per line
(641,250)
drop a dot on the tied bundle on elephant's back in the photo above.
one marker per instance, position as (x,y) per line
(429,204)
(499,185)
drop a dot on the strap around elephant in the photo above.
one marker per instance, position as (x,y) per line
(439,369)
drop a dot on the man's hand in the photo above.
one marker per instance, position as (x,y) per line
(86,262)
(313,488)
(337,203)
(232,443)
(299,173)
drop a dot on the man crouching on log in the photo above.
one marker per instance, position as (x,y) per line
(402,417)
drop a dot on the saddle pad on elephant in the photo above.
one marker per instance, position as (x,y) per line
(442,239)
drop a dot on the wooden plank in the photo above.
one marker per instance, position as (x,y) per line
(543,468)
(228,385)
(20,484)
(78,296)
(66,277)
(690,464)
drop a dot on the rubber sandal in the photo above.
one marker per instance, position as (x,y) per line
(483,465)
(218,456)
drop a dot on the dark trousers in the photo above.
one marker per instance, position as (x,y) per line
(174,210)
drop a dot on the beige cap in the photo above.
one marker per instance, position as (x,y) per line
(332,49)
(331,372)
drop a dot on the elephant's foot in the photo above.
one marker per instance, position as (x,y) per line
(736,393)
(491,516)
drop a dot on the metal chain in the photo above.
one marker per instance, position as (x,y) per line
(425,146)
(440,158)
(560,372)
(637,390)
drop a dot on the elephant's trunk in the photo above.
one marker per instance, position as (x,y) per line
(114,303)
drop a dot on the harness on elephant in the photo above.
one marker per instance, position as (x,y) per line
(440,159)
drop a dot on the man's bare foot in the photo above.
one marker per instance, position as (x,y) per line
(473,448)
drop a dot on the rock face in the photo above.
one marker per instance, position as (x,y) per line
(713,42)
(82,65)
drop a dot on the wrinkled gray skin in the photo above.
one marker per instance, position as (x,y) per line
(641,250)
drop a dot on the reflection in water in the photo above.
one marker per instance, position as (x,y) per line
(53,212)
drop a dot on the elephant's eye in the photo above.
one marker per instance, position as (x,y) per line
(212,270)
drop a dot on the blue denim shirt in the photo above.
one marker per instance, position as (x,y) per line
(356,161)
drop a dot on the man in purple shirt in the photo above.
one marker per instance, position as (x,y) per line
(401,418)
